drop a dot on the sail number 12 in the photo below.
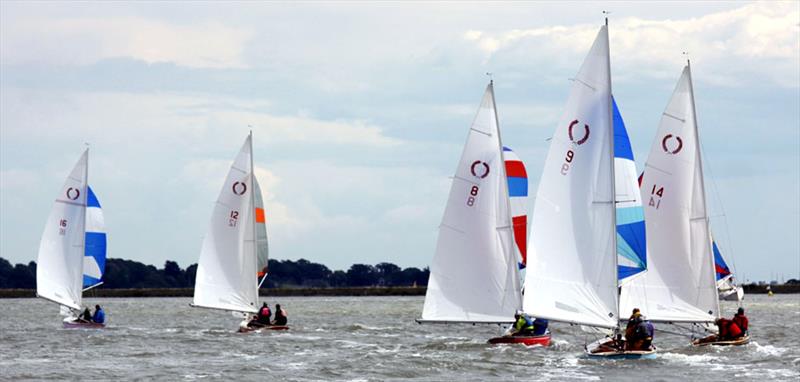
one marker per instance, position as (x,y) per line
(234,218)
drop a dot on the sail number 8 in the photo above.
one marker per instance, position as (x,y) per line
(565,167)
(473,192)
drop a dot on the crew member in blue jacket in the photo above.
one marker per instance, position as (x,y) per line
(99,316)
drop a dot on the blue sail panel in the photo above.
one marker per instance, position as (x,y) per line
(720,266)
(94,257)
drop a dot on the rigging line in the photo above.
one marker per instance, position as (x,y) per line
(724,215)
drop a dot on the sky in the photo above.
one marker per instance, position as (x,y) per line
(359,112)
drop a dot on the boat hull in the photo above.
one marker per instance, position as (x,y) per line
(82,325)
(735,294)
(543,340)
(610,349)
(624,354)
(712,340)
(249,329)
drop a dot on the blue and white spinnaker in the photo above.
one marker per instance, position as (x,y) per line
(94,259)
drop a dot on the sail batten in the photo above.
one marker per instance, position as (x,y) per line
(571,274)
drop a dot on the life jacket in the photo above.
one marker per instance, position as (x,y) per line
(729,329)
(741,321)
(265,312)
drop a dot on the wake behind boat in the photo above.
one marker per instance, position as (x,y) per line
(72,250)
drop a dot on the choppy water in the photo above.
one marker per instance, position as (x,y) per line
(360,339)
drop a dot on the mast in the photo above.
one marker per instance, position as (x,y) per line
(613,174)
(510,219)
(702,179)
(253,207)
(85,203)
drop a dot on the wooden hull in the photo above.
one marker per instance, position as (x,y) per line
(82,325)
(249,329)
(543,340)
(712,340)
(610,349)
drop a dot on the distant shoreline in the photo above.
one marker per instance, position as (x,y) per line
(284,292)
(189,292)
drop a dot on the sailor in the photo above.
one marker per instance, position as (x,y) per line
(99,315)
(741,320)
(86,316)
(728,330)
(280,315)
(645,332)
(264,314)
(523,326)
(633,321)
(540,327)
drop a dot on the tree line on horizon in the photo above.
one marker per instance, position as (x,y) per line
(121,273)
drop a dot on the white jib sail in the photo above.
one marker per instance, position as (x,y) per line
(474,270)
(572,275)
(679,285)
(59,268)
(226,272)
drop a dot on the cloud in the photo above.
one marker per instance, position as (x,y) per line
(84,41)
(728,43)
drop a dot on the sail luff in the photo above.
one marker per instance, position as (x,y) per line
(512,258)
(613,174)
(702,186)
(253,216)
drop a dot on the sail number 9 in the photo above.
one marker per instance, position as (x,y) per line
(568,158)
(473,192)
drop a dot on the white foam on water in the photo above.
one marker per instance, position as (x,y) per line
(769,349)
(689,359)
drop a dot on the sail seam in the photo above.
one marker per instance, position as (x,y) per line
(675,117)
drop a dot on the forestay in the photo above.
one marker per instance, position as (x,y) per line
(474,270)
(94,259)
(631,239)
(572,273)
(59,270)
(679,285)
(226,272)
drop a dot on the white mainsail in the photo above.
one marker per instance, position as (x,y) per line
(572,264)
(226,272)
(679,285)
(59,268)
(474,270)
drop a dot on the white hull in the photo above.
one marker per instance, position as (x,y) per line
(735,294)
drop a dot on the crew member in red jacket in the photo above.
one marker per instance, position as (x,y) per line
(740,319)
(728,330)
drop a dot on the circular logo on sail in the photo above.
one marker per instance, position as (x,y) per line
(572,136)
(667,149)
(73,193)
(239,188)
(479,171)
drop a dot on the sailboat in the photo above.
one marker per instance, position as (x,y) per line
(573,263)
(72,250)
(726,286)
(474,273)
(679,286)
(234,255)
